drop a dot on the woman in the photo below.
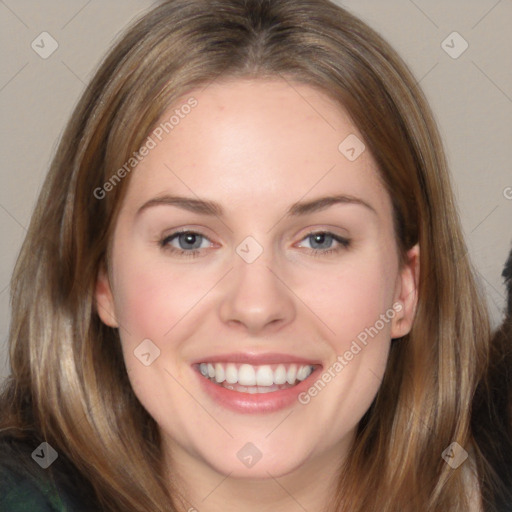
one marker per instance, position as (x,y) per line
(258,368)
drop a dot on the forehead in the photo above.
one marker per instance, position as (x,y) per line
(247,141)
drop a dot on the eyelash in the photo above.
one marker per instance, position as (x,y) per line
(344,243)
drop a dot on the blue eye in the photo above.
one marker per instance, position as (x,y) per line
(321,243)
(189,243)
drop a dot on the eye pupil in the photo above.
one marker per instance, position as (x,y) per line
(322,238)
(189,238)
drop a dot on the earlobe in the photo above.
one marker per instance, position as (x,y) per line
(406,294)
(104,299)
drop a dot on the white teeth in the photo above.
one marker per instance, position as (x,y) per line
(220,376)
(247,375)
(291,375)
(303,372)
(251,376)
(280,374)
(231,373)
(264,376)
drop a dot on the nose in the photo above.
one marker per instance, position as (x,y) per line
(256,297)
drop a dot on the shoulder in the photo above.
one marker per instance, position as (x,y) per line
(31,478)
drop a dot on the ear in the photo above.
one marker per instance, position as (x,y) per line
(406,294)
(104,299)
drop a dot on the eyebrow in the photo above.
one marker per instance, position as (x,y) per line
(205,207)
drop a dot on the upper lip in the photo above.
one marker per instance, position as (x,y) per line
(255,359)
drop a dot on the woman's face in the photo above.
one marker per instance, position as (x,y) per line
(288,265)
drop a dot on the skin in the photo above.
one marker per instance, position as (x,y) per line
(256,147)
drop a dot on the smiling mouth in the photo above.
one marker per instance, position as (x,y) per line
(248,378)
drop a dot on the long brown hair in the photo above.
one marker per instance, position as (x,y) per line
(68,379)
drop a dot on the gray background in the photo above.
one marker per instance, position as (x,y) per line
(471,96)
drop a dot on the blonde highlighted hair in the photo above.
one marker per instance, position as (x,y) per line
(68,381)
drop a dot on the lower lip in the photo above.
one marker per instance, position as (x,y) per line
(258,402)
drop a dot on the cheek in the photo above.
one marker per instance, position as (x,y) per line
(353,302)
(352,297)
(151,298)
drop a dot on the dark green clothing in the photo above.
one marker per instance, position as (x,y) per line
(27,487)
